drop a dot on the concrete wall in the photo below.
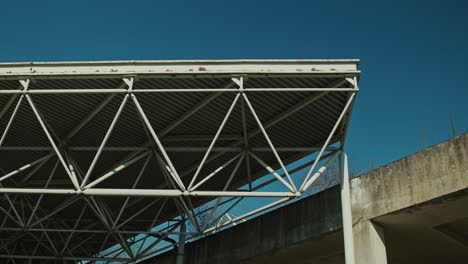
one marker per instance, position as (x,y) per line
(307,218)
(432,173)
(426,175)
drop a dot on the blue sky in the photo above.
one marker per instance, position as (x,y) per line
(413,53)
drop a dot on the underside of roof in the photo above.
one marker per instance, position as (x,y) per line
(101,117)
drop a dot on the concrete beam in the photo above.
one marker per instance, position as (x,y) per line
(434,172)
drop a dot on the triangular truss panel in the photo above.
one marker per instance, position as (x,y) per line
(118,161)
(19,122)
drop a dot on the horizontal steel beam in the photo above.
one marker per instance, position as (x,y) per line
(146,192)
(8,256)
(55,230)
(205,68)
(168,149)
(173,90)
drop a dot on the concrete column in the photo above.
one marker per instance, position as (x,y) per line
(369,243)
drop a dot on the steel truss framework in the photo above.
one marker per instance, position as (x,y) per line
(57,207)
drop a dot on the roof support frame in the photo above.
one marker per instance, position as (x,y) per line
(182,195)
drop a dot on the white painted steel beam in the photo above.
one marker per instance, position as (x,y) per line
(168,68)
(145,192)
(267,137)
(104,141)
(84,258)
(158,143)
(325,145)
(52,142)
(346,210)
(180,90)
(168,149)
(213,142)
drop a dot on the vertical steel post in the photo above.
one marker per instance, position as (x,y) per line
(181,249)
(346,210)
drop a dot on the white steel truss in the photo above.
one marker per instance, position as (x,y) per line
(23,207)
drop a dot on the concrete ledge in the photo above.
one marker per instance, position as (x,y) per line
(434,172)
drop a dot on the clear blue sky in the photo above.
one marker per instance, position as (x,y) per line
(414,53)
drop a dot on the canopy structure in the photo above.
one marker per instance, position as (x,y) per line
(94,153)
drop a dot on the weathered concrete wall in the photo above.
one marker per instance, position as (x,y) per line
(304,219)
(426,175)
(432,173)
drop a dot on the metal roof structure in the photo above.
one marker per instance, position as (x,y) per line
(95,153)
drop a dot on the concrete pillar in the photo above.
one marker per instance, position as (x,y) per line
(369,243)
